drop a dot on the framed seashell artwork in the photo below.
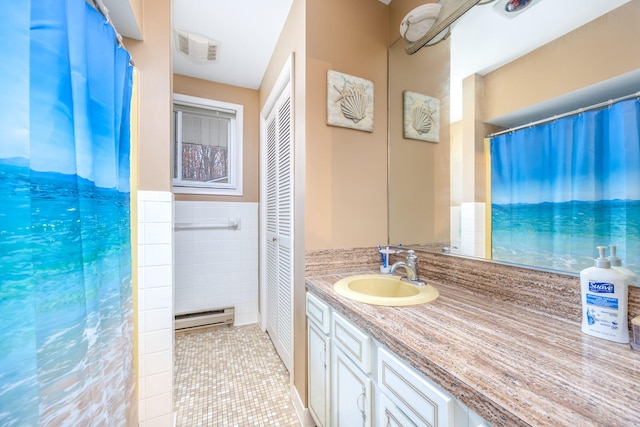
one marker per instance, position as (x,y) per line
(349,101)
(421,117)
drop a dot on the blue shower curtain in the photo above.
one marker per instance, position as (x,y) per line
(564,187)
(66,316)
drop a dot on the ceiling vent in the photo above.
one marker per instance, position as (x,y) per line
(197,48)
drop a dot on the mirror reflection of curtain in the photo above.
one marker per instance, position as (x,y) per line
(562,188)
(66,314)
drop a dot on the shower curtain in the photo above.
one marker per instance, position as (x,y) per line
(66,316)
(562,188)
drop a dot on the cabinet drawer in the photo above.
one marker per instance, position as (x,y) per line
(421,400)
(319,313)
(389,415)
(355,343)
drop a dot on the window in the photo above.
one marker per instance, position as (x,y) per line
(207,146)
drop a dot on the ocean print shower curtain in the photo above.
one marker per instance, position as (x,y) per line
(66,319)
(562,188)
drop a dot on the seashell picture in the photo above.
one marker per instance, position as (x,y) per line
(349,101)
(421,117)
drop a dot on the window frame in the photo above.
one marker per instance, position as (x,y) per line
(234,150)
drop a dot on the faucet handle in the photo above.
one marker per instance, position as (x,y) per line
(411,254)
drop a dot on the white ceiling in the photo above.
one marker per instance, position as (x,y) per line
(247,30)
(481,40)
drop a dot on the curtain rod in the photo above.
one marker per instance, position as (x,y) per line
(100,7)
(570,113)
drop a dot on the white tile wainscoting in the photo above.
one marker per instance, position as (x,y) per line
(468,229)
(155,308)
(215,267)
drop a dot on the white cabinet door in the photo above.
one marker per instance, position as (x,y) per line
(318,354)
(351,392)
(279,227)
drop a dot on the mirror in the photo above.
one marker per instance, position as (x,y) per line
(486,79)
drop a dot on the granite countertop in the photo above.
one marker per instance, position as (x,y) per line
(512,366)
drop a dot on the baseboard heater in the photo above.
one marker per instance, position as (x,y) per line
(197,319)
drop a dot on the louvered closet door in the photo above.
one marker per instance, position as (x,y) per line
(279,227)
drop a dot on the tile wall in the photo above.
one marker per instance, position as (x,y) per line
(217,268)
(468,229)
(155,309)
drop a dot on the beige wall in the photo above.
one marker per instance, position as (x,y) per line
(346,185)
(419,194)
(455,151)
(152,58)
(419,184)
(473,129)
(249,99)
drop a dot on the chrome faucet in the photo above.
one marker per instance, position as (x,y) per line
(410,267)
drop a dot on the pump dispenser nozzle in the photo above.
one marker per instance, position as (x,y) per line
(615,261)
(602,261)
(616,264)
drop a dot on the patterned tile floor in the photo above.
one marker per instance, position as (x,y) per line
(230,376)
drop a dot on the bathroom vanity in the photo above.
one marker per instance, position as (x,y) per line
(355,380)
(501,344)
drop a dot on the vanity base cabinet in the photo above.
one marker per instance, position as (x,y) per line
(319,384)
(346,367)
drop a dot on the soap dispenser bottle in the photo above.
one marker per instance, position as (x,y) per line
(604,300)
(616,264)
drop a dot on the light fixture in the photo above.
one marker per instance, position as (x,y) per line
(196,47)
(419,21)
(512,8)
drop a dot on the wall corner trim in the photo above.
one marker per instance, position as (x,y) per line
(303,413)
